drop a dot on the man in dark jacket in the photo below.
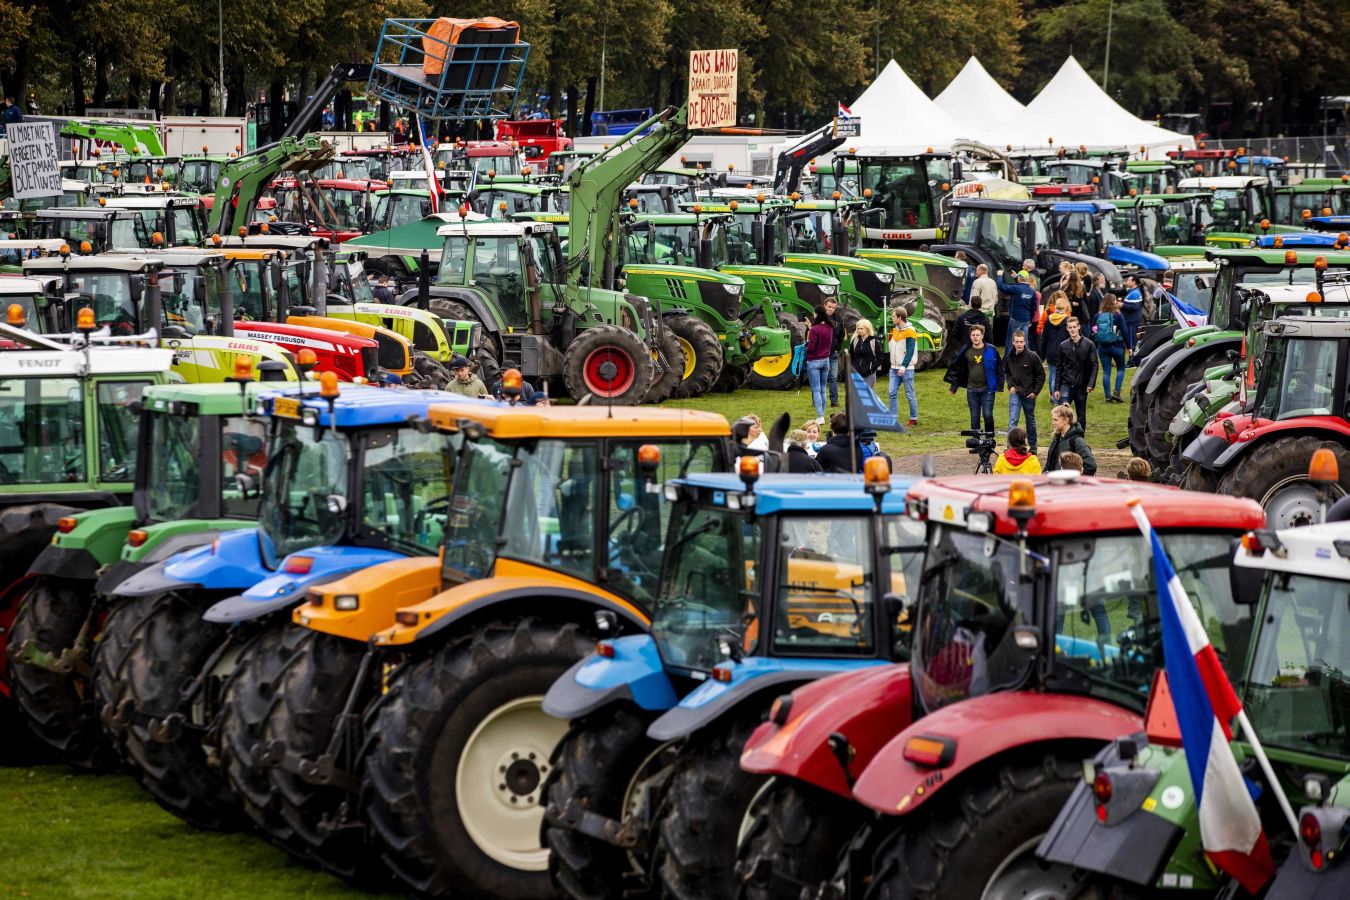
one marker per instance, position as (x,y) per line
(971,317)
(382,293)
(1022,307)
(1076,374)
(1068,439)
(978,369)
(836,455)
(837,321)
(1025,374)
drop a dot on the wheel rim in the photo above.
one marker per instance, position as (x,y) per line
(608,371)
(748,820)
(690,357)
(499,782)
(772,366)
(1025,876)
(649,777)
(1293,502)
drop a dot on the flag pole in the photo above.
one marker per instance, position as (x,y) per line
(1260,753)
(1146,528)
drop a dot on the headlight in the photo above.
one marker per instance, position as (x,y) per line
(828,290)
(732,288)
(958,271)
(885,277)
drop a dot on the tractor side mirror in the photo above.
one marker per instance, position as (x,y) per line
(838,166)
(1245,582)
(137,286)
(894,606)
(425,208)
(275,273)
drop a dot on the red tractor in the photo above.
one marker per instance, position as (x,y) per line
(537,138)
(1035,637)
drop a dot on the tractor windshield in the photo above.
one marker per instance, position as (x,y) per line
(393,210)
(671,245)
(41,431)
(1298,378)
(1173,222)
(199,176)
(710,589)
(480,483)
(307,490)
(1227,209)
(826,586)
(901,187)
(111,295)
(1106,614)
(186,226)
(1299,689)
(354,283)
(969,601)
(243,458)
(500,204)
(1195,289)
(1289,205)
(246,281)
(405,482)
(178,297)
(172,479)
(342,207)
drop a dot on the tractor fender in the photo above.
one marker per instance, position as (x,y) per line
(866,706)
(1138,847)
(515,588)
(635,673)
(283,588)
(752,677)
(1149,364)
(231,562)
(378,591)
(18,519)
(1329,427)
(1141,259)
(95,541)
(1176,360)
(983,728)
(1204,451)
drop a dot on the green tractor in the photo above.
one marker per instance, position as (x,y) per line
(200,464)
(1170,225)
(68,443)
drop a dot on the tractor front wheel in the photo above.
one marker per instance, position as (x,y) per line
(703,358)
(484,352)
(109,686)
(1275,474)
(981,840)
(58,704)
(605,765)
(169,650)
(774,373)
(608,364)
(461,748)
(796,835)
(732,379)
(706,813)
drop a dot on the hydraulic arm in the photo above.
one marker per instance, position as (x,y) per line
(243,178)
(137,140)
(788,175)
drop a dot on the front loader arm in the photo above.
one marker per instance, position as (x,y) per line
(137,140)
(243,178)
(788,176)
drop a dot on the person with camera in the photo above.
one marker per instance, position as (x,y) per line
(1068,439)
(1025,374)
(977,368)
(1017,459)
(1076,374)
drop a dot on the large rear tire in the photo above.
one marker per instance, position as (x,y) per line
(1275,474)
(172,645)
(980,841)
(460,749)
(249,699)
(310,697)
(599,763)
(1138,420)
(774,373)
(110,658)
(59,705)
(608,364)
(1167,402)
(668,369)
(703,357)
(484,352)
(796,835)
(705,812)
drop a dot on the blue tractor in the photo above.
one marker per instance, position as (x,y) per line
(765,585)
(349,483)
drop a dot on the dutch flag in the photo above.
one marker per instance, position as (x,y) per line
(845,112)
(1187,316)
(1205,704)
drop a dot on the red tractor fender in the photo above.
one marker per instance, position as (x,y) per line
(866,706)
(1258,430)
(978,730)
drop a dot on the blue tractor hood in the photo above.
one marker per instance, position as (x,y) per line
(1140,259)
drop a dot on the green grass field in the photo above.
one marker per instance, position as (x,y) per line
(68,835)
(942,416)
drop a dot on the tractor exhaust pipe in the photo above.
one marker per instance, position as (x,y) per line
(226,328)
(424,281)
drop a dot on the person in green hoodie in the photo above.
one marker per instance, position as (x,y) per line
(903,344)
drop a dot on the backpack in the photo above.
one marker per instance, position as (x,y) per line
(1107,332)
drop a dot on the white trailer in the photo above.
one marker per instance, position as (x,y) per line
(192,135)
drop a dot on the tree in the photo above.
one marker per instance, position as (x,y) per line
(933,39)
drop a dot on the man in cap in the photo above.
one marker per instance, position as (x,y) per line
(1022,306)
(465,381)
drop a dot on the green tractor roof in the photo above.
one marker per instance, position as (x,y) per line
(204,399)
(1255,256)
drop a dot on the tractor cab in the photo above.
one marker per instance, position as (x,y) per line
(113,286)
(1203,163)
(1105,176)
(199,174)
(335,209)
(40,300)
(825,180)
(1240,201)
(909,191)
(396,207)
(1148,176)
(501,260)
(652,199)
(14,250)
(1296,204)
(175,220)
(501,200)
(470,162)
(92,229)
(1156,222)
(562,162)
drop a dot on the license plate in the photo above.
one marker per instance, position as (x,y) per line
(286,407)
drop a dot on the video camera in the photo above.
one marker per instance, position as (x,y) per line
(983,443)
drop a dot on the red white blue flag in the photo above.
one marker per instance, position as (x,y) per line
(1205,704)
(845,112)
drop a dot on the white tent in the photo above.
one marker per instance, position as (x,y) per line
(897,115)
(975,98)
(1072,110)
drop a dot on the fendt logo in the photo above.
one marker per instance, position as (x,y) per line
(38,363)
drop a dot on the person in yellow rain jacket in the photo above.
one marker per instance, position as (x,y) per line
(1017,459)
(903,346)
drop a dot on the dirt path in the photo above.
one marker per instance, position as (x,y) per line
(962,462)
